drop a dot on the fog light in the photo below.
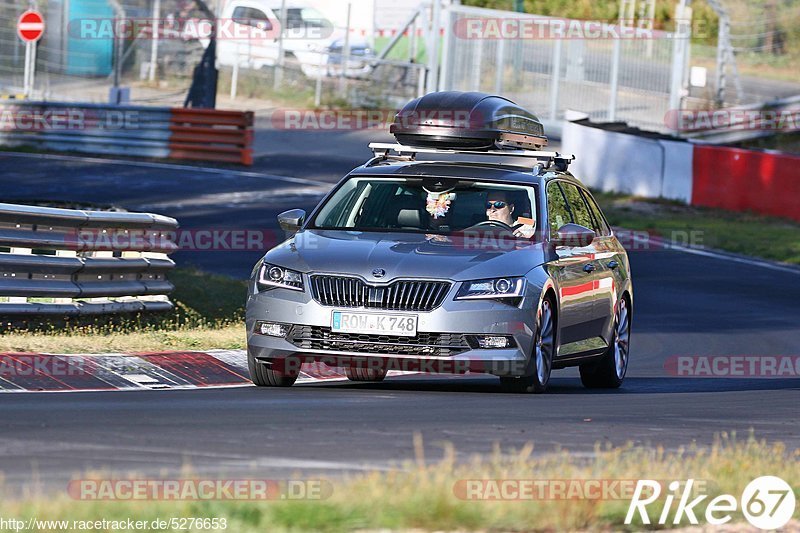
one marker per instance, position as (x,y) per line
(272,329)
(494,342)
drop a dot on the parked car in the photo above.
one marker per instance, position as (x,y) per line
(448,266)
(248,34)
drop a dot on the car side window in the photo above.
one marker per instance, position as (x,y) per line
(580,211)
(602,226)
(252,17)
(557,211)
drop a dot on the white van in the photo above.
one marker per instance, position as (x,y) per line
(248,34)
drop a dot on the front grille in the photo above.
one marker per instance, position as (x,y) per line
(406,295)
(424,344)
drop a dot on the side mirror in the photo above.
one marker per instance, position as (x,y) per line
(292,220)
(573,235)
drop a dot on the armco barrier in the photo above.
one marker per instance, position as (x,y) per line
(75,262)
(158,132)
(747,180)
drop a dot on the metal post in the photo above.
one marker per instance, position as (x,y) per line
(433,48)
(278,78)
(117,57)
(555,78)
(721,59)
(345,58)
(26,86)
(499,66)
(318,88)
(680,46)
(612,102)
(649,15)
(446,72)
(119,44)
(477,63)
(725,53)
(154,42)
(412,42)
(235,77)
(32,75)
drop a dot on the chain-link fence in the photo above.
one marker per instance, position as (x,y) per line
(92,45)
(764,39)
(553,65)
(637,77)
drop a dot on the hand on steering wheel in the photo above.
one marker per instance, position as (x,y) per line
(496,223)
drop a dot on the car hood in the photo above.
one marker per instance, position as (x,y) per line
(404,255)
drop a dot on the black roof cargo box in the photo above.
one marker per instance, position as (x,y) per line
(467,121)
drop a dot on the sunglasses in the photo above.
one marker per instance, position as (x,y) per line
(496,205)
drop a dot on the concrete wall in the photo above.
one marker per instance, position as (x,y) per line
(626,163)
(747,180)
(763,182)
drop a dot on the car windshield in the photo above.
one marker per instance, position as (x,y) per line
(429,205)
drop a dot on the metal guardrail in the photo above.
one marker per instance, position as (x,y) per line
(75,262)
(139,131)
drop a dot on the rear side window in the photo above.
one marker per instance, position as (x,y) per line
(558,213)
(580,211)
(602,226)
(251,17)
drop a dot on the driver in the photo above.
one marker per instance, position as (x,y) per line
(499,208)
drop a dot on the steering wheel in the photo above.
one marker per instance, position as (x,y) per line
(495,224)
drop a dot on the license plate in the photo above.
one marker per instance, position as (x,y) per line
(374,323)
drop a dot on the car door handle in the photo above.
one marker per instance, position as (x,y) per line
(589,268)
(613,264)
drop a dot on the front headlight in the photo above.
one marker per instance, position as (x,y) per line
(491,289)
(270,276)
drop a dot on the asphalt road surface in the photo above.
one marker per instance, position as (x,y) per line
(685,304)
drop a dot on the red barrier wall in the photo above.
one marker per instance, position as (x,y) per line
(746,180)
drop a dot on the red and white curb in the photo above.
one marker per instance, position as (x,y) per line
(28,372)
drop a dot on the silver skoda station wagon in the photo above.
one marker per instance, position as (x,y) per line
(463,248)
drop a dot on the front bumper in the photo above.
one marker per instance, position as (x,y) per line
(453,321)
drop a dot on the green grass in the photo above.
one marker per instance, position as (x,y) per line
(741,233)
(209,313)
(421,496)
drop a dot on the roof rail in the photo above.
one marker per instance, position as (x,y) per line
(383,152)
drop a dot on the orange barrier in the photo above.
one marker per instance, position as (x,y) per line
(211,135)
(133,131)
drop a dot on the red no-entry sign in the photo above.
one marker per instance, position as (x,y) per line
(30,26)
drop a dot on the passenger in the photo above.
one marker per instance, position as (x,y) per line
(500,209)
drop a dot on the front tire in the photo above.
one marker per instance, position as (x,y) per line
(609,371)
(263,375)
(541,365)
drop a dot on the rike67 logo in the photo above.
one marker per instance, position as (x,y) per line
(767,502)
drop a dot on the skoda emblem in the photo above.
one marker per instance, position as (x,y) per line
(379,272)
